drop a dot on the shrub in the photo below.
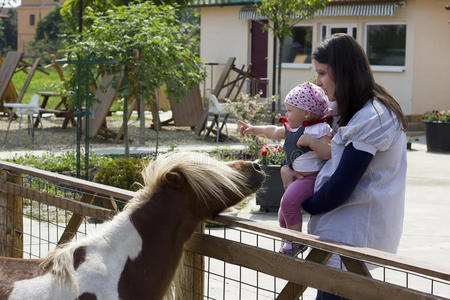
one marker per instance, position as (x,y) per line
(64,163)
(122,173)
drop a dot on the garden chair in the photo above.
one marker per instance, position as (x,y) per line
(227,87)
(30,110)
(217,110)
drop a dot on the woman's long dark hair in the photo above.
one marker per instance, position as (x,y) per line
(353,77)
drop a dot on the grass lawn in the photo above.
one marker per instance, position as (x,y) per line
(47,83)
(39,83)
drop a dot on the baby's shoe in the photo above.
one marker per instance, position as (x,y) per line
(292,249)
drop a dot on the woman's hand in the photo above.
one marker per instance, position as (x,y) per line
(321,146)
(304,140)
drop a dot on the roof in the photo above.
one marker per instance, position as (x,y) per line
(4,13)
(203,3)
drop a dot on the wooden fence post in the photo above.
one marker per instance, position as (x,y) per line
(188,280)
(11,218)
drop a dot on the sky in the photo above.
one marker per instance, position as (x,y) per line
(9,3)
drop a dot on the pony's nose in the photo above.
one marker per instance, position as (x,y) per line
(256,166)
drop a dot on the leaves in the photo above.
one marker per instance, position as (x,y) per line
(437,116)
(167,53)
(282,13)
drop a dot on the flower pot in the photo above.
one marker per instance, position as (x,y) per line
(269,195)
(437,135)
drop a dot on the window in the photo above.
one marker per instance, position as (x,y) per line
(297,48)
(328,30)
(31,20)
(386,44)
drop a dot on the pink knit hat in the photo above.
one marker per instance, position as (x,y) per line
(309,97)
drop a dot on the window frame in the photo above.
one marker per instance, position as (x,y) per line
(32,19)
(386,68)
(329,26)
(285,65)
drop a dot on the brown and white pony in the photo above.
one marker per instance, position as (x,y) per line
(134,256)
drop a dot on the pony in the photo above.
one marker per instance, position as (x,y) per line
(136,253)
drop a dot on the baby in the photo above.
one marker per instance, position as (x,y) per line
(306,106)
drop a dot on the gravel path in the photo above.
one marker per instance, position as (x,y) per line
(66,139)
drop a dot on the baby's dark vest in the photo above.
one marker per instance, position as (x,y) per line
(290,145)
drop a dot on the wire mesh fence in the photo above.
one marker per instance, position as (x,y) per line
(232,259)
(224,280)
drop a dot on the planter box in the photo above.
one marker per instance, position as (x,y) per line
(437,135)
(269,196)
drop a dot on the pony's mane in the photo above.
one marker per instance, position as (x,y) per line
(207,177)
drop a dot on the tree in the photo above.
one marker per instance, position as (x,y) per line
(167,51)
(73,10)
(8,32)
(7,3)
(49,33)
(283,15)
(163,41)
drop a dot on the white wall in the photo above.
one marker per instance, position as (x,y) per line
(431,80)
(222,36)
(399,84)
(422,85)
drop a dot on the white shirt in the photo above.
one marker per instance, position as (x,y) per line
(310,162)
(373,215)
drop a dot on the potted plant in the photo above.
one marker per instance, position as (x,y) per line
(270,158)
(257,111)
(437,130)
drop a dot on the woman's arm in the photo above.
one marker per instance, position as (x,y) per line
(321,146)
(341,184)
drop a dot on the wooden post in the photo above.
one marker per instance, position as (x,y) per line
(11,222)
(141,109)
(189,280)
(75,221)
(294,291)
(28,80)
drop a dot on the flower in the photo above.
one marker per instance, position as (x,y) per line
(252,109)
(437,116)
(271,155)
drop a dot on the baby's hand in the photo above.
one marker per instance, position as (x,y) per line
(288,176)
(245,128)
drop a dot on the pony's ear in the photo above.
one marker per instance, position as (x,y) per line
(175,178)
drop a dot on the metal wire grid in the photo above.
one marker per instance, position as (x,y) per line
(43,224)
(228,281)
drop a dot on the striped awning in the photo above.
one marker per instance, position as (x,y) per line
(203,3)
(338,10)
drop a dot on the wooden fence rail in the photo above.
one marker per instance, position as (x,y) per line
(354,282)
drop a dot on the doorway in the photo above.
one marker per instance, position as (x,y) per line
(258,58)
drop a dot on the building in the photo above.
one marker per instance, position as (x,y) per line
(28,15)
(4,13)
(407,42)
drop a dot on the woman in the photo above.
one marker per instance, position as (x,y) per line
(360,191)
